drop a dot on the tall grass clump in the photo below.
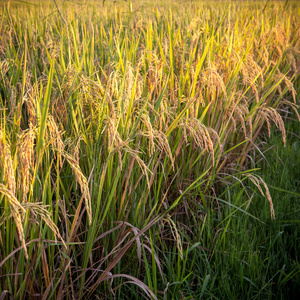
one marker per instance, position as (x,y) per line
(123,129)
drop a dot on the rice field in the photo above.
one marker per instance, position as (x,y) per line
(131,138)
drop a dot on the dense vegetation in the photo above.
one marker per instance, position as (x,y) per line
(135,150)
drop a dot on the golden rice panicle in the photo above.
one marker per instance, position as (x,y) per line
(294,107)
(55,136)
(15,208)
(59,110)
(26,161)
(139,81)
(115,141)
(10,192)
(129,81)
(202,135)
(291,88)
(241,111)
(30,104)
(82,181)
(4,67)
(291,55)
(30,107)
(6,163)
(117,145)
(145,170)
(155,74)
(175,235)
(17,217)
(149,133)
(288,83)
(270,114)
(214,81)
(114,84)
(163,144)
(268,195)
(257,180)
(13,201)
(41,210)
(252,70)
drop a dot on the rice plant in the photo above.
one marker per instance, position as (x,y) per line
(124,126)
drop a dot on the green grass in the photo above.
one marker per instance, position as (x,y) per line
(238,257)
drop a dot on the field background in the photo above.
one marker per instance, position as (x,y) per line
(149,149)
